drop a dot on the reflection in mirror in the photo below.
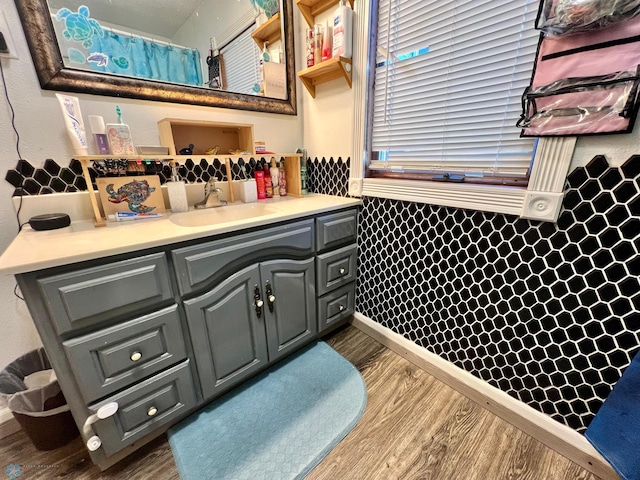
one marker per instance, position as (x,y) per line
(228,53)
(204,43)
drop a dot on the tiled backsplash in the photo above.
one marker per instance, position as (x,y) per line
(548,313)
(324,176)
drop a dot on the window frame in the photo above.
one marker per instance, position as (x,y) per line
(540,200)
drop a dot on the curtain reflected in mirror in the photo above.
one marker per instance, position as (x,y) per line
(207,43)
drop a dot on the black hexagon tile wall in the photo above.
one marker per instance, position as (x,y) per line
(549,313)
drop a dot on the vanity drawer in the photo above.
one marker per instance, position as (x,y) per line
(145,407)
(85,297)
(336,268)
(198,266)
(336,229)
(336,306)
(116,357)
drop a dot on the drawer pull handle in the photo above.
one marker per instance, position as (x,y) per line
(135,356)
(270,296)
(152,411)
(342,307)
(342,271)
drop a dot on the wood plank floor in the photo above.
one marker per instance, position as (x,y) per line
(414,427)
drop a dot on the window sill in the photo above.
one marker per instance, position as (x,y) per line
(541,200)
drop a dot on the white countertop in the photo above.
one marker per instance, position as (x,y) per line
(32,250)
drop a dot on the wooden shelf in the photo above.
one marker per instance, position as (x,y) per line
(326,71)
(269,32)
(291,161)
(311,8)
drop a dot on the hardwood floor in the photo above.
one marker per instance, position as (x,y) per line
(414,427)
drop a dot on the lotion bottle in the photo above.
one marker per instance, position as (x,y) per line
(268,185)
(259,176)
(343,31)
(275,177)
(177,191)
(283,181)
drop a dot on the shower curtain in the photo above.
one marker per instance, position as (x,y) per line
(138,57)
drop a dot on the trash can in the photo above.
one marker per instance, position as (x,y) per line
(30,389)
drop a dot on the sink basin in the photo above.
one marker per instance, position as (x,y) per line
(224,214)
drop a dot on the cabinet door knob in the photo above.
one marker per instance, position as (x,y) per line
(257,301)
(342,271)
(152,411)
(342,307)
(135,356)
(270,296)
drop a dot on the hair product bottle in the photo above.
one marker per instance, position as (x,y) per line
(259,176)
(343,31)
(268,186)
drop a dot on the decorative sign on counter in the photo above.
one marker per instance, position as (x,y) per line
(140,194)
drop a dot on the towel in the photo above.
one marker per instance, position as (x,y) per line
(615,430)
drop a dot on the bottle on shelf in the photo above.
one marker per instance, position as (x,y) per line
(343,31)
(283,181)
(275,177)
(262,191)
(327,51)
(268,186)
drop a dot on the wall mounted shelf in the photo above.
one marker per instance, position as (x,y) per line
(268,32)
(311,8)
(326,71)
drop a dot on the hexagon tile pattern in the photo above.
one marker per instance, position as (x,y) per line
(548,313)
(330,177)
(52,178)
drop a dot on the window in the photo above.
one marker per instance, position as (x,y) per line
(447,136)
(241,64)
(449,76)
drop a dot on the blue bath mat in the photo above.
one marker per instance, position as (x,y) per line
(277,426)
(615,430)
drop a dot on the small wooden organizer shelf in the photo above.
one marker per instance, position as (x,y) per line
(291,163)
(311,8)
(268,32)
(326,71)
(177,133)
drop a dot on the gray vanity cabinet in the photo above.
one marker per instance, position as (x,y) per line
(256,316)
(163,331)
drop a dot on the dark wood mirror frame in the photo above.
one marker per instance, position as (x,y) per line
(53,75)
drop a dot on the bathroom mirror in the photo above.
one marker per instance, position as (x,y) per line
(85,68)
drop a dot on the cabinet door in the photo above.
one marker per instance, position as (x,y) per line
(228,338)
(291,316)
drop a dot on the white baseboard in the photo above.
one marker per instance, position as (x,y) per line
(540,426)
(8,424)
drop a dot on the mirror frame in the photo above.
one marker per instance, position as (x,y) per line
(53,75)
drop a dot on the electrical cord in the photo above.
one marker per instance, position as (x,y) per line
(20,188)
(13,125)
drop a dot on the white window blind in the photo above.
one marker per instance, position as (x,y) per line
(448,83)
(241,63)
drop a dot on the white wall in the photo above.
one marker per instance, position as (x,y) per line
(42,136)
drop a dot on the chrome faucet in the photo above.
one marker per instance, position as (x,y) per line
(211,196)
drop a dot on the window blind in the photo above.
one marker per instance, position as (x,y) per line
(448,83)
(241,63)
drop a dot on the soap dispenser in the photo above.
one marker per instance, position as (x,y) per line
(177,190)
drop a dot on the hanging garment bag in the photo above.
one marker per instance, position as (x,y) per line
(584,83)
